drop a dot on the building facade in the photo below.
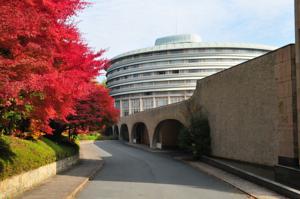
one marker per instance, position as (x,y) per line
(167,73)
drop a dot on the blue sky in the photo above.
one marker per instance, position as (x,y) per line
(123,25)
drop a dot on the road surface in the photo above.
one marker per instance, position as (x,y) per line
(132,173)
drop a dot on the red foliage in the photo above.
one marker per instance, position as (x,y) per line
(43,58)
(95,111)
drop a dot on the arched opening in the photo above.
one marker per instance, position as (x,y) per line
(140,134)
(116,131)
(166,134)
(108,131)
(124,133)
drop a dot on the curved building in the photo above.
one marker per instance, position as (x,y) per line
(167,73)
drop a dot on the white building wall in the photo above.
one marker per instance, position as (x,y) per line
(164,74)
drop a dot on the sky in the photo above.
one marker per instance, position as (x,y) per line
(123,25)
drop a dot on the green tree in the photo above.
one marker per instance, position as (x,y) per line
(196,137)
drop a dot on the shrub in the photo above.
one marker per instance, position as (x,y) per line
(196,138)
(90,136)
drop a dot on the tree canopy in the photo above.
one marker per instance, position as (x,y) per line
(46,69)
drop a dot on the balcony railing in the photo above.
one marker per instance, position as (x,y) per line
(180,66)
(153,88)
(166,77)
(185,56)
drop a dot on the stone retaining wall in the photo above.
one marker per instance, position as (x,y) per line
(16,185)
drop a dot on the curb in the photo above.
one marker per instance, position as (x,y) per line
(145,148)
(81,185)
(216,176)
(245,191)
(253,190)
(87,141)
(270,194)
(188,163)
(269,184)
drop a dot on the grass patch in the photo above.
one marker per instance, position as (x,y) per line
(91,136)
(18,155)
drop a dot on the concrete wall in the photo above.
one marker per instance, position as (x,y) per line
(151,118)
(251,108)
(16,185)
(248,107)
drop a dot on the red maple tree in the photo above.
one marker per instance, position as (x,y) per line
(44,63)
(95,111)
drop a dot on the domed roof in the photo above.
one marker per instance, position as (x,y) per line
(174,39)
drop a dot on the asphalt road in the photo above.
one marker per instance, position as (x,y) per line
(131,173)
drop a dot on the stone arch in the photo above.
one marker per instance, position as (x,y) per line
(140,134)
(166,134)
(124,133)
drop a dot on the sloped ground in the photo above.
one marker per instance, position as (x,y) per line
(18,155)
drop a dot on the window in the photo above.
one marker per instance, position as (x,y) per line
(161,72)
(162,62)
(117,104)
(194,70)
(135,105)
(161,83)
(160,53)
(125,107)
(147,103)
(161,101)
(147,54)
(175,71)
(176,51)
(177,99)
(148,64)
(175,61)
(147,74)
(146,84)
(177,82)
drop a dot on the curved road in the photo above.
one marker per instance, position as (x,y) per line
(131,173)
